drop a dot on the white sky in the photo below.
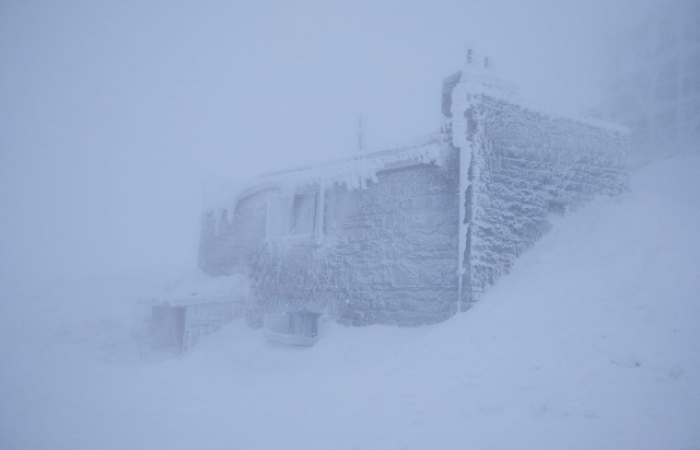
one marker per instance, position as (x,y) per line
(116,117)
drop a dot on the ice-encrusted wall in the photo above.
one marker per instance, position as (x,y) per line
(520,164)
(229,236)
(408,236)
(387,254)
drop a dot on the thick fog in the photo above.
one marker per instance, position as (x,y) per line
(120,120)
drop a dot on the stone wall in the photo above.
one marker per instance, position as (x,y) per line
(524,165)
(418,239)
(387,255)
(229,239)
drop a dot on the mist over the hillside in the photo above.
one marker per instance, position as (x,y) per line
(118,119)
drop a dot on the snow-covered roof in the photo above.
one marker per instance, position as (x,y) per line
(353,171)
(476,81)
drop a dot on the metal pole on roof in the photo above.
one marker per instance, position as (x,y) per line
(361,144)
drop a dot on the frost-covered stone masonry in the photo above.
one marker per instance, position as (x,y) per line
(412,235)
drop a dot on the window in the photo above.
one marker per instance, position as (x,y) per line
(304,214)
(277,216)
(295,215)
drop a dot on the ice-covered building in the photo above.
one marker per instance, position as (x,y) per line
(411,235)
(653,82)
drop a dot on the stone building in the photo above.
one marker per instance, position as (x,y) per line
(412,235)
(653,83)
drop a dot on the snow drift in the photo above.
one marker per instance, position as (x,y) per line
(591,342)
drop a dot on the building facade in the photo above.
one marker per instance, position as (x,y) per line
(412,235)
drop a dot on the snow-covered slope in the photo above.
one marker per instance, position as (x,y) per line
(592,342)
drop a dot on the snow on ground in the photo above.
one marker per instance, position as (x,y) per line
(592,342)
